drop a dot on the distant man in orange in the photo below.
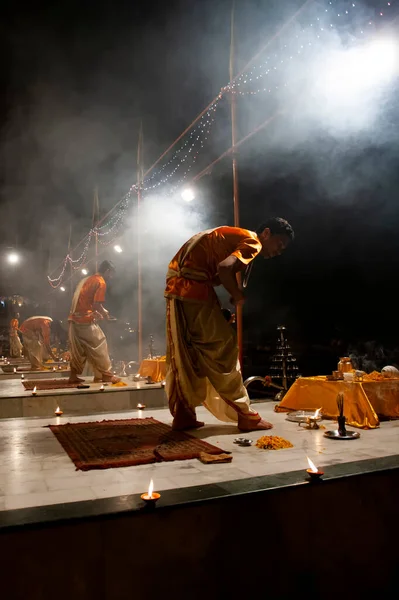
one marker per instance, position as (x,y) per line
(36,339)
(202,352)
(15,342)
(86,338)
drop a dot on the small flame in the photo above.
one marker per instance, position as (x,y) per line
(312,466)
(57,409)
(317,413)
(34,390)
(102,386)
(150,489)
(22,376)
(15,369)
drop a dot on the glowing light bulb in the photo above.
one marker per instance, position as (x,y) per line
(188,194)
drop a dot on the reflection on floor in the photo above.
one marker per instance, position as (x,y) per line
(35,470)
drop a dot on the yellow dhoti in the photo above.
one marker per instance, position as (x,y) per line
(202,363)
(15,345)
(88,343)
(33,349)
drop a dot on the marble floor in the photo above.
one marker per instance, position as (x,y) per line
(35,470)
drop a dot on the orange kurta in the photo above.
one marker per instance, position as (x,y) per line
(14,324)
(204,258)
(38,325)
(92,292)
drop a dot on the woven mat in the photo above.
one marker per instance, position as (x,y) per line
(48,384)
(123,443)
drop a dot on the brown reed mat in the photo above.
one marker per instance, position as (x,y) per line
(48,384)
(127,442)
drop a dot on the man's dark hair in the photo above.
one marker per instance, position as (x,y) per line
(277,226)
(106,265)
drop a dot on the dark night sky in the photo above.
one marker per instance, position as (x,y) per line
(80,76)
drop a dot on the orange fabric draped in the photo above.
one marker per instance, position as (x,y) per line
(192,274)
(93,290)
(365,402)
(154,368)
(39,325)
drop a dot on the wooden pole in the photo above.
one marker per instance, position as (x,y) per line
(236,199)
(70,262)
(139,282)
(96,217)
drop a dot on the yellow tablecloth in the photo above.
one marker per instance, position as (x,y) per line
(154,368)
(365,402)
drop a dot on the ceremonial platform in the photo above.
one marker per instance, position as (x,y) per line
(261,505)
(15,401)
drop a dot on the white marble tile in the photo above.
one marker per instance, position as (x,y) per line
(44,499)
(133,487)
(14,488)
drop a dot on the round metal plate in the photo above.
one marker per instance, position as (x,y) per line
(301,416)
(334,435)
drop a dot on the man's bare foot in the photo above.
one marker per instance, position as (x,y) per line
(111,380)
(246,425)
(188,425)
(75,380)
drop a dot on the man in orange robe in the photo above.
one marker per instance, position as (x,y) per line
(86,338)
(15,342)
(202,352)
(36,339)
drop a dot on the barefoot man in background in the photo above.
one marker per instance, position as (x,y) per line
(202,352)
(86,339)
(15,342)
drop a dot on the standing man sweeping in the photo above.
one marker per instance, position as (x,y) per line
(202,352)
(86,338)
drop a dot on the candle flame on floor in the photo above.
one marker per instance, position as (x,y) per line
(317,413)
(34,390)
(150,489)
(312,466)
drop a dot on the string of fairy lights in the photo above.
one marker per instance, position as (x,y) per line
(257,79)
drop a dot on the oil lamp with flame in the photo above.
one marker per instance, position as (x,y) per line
(150,497)
(34,391)
(314,473)
(22,376)
(102,387)
(58,411)
(312,420)
(15,369)
(141,406)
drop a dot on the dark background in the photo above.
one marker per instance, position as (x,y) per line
(79,77)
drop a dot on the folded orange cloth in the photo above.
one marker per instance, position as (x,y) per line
(207,459)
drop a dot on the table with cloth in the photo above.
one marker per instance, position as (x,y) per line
(365,401)
(154,368)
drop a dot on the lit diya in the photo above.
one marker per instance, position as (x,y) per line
(151,497)
(314,473)
(34,391)
(58,411)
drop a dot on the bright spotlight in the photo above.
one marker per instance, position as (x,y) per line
(188,194)
(118,249)
(62,288)
(84,271)
(13,258)
(349,75)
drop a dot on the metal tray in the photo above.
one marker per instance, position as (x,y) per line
(334,435)
(243,441)
(301,416)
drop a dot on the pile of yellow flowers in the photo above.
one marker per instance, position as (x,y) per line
(273,442)
(119,384)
